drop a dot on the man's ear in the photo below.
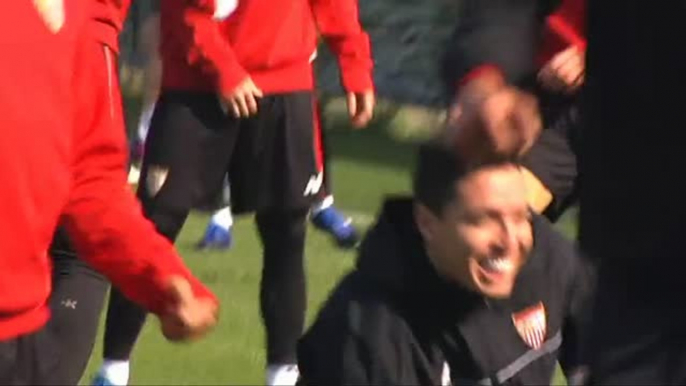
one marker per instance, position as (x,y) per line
(426,221)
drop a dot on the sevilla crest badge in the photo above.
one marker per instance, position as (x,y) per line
(52,13)
(531,325)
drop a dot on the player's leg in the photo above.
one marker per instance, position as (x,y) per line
(186,157)
(550,167)
(282,290)
(78,294)
(323,213)
(275,173)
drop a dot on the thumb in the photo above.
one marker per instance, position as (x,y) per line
(179,291)
(352,104)
(256,91)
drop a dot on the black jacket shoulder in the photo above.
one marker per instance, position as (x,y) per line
(359,338)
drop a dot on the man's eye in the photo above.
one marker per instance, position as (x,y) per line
(478,218)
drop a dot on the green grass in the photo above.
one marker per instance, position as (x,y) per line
(367,165)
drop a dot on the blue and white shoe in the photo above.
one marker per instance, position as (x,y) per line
(337,225)
(101,380)
(216,237)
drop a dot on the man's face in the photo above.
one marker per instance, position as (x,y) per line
(484,236)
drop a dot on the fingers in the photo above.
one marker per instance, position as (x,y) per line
(564,72)
(256,92)
(243,100)
(365,109)
(186,317)
(243,107)
(190,322)
(565,56)
(352,104)
(235,110)
(361,107)
(252,104)
(527,121)
(496,115)
(570,72)
(505,125)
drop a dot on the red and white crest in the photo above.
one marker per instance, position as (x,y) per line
(531,325)
(52,13)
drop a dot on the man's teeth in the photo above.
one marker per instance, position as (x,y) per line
(498,265)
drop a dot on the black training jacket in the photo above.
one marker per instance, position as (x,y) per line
(393,321)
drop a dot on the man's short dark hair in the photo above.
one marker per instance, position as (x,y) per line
(437,170)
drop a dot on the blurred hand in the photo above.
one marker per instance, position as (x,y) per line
(361,107)
(187,317)
(565,72)
(491,119)
(242,101)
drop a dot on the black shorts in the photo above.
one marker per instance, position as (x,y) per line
(193,145)
(553,159)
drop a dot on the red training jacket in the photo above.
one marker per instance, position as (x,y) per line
(270,40)
(63,158)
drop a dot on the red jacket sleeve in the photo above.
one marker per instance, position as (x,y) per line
(557,25)
(209,48)
(102,216)
(338,23)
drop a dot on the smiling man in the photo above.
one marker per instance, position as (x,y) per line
(460,284)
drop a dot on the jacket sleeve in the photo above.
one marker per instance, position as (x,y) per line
(210,50)
(102,216)
(500,33)
(338,23)
(356,342)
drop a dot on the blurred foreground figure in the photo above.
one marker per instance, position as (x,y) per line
(66,160)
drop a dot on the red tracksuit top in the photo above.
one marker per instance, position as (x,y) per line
(271,40)
(60,160)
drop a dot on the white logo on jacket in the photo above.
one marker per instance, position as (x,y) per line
(52,13)
(224,8)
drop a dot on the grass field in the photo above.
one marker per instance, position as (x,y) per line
(367,165)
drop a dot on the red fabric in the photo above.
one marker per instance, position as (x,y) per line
(565,27)
(108,20)
(271,40)
(64,156)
